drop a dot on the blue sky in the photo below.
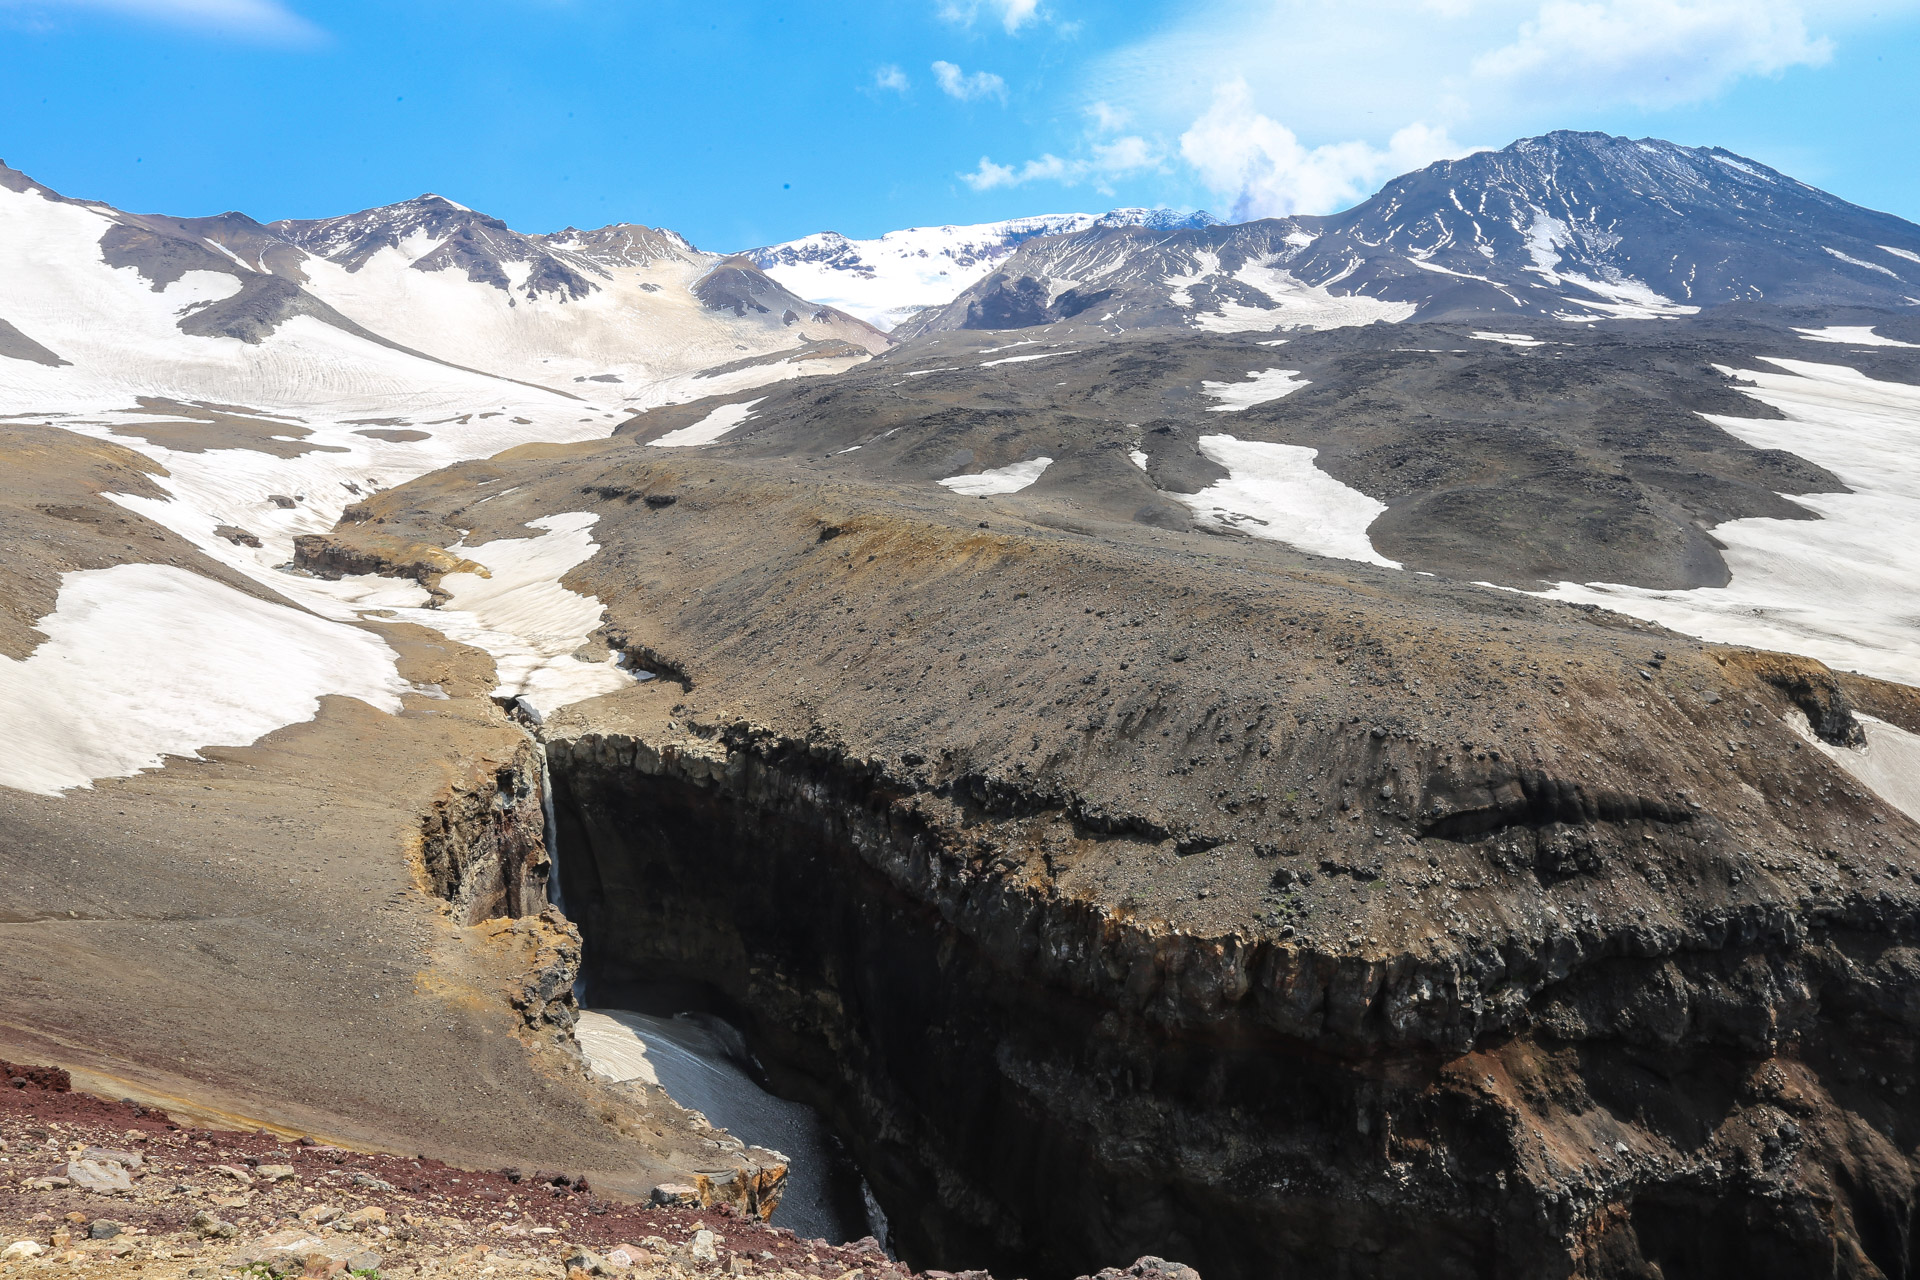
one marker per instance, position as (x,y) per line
(745,123)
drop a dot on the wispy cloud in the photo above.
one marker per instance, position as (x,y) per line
(1012,14)
(264,20)
(956,83)
(891,77)
(1099,164)
(1651,53)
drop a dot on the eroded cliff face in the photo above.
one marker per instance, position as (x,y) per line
(1040,1080)
(483,842)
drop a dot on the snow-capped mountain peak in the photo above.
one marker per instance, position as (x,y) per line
(889,278)
(1577,227)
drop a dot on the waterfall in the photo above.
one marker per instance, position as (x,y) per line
(552,837)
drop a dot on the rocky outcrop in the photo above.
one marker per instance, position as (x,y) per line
(356,551)
(483,844)
(1034,1079)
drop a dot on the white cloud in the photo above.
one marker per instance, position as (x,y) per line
(891,77)
(1263,170)
(1013,14)
(956,83)
(251,19)
(1101,162)
(1651,53)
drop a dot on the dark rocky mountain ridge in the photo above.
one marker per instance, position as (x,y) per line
(1567,226)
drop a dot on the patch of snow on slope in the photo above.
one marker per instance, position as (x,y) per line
(710,428)
(1908,254)
(1261,386)
(1044,355)
(1138,458)
(612,1048)
(1860,262)
(523,616)
(1296,305)
(1275,491)
(1008,479)
(144,661)
(1889,763)
(1853,336)
(1842,588)
(1511,339)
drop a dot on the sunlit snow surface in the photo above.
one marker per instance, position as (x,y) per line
(123,342)
(613,1048)
(1844,588)
(1008,479)
(1853,336)
(1261,386)
(1275,491)
(143,661)
(1296,304)
(709,428)
(1889,763)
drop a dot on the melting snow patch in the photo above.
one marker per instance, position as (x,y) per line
(144,661)
(1511,339)
(1044,355)
(709,428)
(523,616)
(1859,262)
(1009,479)
(1261,386)
(1275,491)
(1296,305)
(1853,336)
(1908,254)
(1841,588)
(1889,763)
(612,1048)
(1138,458)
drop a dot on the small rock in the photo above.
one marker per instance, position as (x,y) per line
(675,1194)
(21,1250)
(584,1262)
(370,1182)
(208,1227)
(103,1229)
(372,1213)
(365,1260)
(235,1172)
(701,1249)
(274,1172)
(321,1213)
(48,1184)
(102,1177)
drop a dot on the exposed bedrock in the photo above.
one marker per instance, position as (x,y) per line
(483,842)
(1045,1082)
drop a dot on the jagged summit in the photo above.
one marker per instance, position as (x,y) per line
(1566,226)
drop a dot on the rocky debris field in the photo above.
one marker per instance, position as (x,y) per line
(89,1186)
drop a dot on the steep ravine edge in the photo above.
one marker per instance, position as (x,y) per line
(1041,1083)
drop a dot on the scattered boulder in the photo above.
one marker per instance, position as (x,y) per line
(370,1182)
(701,1249)
(274,1172)
(371,1215)
(1148,1268)
(103,1229)
(21,1250)
(126,1159)
(102,1177)
(365,1260)
(669,1195)
(321,1213)
(208,1227)
(235,1172)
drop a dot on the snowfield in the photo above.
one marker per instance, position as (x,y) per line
(1274,491)
(1844,588)
(143,661)
(1261,386)
(1008,479)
